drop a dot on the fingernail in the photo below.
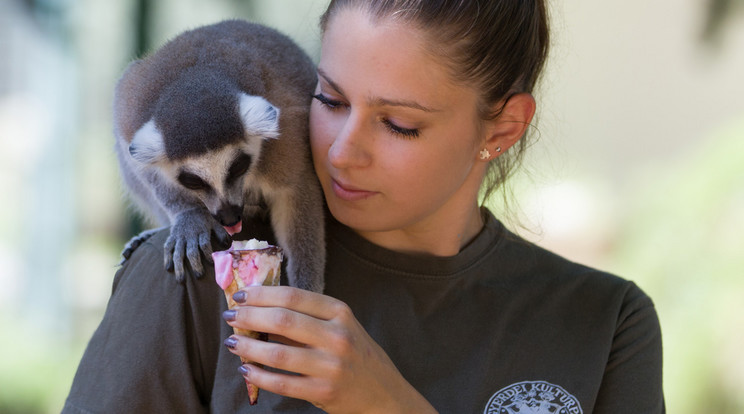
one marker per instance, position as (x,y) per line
(239,296)
(231,342)
(229,315)
(244,370)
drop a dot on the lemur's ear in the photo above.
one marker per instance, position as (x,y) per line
(260,118)
(147,144)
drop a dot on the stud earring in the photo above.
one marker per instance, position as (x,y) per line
(485,154)
(498,149)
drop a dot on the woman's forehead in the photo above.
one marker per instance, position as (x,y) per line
(385,53)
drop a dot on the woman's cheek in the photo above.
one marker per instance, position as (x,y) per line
(320,137)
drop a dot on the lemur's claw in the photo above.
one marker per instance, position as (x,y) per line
(190,243)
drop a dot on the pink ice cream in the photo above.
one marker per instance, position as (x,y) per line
(223,265)
(251,261)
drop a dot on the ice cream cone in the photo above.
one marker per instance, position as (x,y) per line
(241,266)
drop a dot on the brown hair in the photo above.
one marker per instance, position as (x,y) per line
(497,46)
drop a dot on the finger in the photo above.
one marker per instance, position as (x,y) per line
(284,340)
(293,386)
(302,301)
(223,238)
(193,253)
(170,244)
(205,245)
(297,326)
(300,360)
(178,253)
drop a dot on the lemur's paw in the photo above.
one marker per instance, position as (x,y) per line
(136,242)
(190,239)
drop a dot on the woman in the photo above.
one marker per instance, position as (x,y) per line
(431,305)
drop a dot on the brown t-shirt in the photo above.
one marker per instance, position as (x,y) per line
(502,327)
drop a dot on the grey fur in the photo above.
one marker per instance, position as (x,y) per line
(211,100)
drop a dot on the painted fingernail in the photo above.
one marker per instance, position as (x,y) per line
(239,296)
(229,315)
(244,370)
(231,342)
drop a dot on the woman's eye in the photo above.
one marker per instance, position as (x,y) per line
(405,132)
(328,102)
(332,104)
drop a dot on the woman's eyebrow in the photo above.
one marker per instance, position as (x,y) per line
(329,81)
(378,101)
(391,102)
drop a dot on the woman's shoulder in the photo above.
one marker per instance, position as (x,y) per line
(527,267)
(152,324)
(143,284)
(144,251)
(520,265)
(143,271)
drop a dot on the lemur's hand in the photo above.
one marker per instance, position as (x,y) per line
(190,237)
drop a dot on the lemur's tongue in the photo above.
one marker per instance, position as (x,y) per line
(234,229)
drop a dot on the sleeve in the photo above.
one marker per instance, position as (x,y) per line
(145,355)
(632,380)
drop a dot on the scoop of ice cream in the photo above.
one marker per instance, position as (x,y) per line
(253,269)
(251,244)
(243,260)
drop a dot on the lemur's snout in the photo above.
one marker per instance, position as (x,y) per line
(229,215)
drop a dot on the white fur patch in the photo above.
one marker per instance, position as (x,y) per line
(260,117)
(147,145)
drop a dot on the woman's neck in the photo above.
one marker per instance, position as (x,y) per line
(431,238)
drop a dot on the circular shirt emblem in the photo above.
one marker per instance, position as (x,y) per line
(533,397)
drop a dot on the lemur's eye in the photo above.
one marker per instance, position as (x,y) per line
(192,181)
(239,167)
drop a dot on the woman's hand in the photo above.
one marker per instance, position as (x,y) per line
(341,368)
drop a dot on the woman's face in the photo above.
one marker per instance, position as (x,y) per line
(395,140)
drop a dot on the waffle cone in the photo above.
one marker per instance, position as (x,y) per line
(272,279)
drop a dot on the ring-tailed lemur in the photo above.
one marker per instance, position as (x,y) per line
(215,122)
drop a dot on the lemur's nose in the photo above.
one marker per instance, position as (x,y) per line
(229,215)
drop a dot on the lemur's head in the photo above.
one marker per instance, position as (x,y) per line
(209,150)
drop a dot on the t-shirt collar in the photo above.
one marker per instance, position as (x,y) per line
(419,265)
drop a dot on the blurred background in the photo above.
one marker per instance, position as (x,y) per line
(638,168)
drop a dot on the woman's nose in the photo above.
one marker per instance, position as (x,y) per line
(350,148)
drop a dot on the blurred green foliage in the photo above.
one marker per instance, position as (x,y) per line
(36,371)
(682,238)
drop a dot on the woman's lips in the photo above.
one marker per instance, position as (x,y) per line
(349,193)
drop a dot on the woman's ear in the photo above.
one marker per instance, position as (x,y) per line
(511,124)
